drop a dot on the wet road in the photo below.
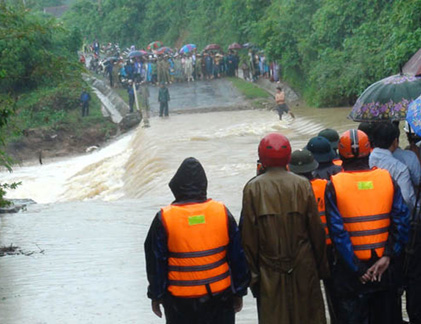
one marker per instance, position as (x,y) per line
(186,97)
(94,212)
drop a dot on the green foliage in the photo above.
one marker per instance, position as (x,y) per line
(39,72)
(35,50)
(331,50)
(3,188)
(249,90)
(41,4)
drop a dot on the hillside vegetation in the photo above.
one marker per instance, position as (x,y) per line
(329,49)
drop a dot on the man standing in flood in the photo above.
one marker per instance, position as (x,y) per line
(195,263)
(163,98)
(283,239)
(281,106)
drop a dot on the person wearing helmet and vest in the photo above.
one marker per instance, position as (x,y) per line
(322,151)
(368,223)
(195,263)
(333,137)
(303,163)
(283,239)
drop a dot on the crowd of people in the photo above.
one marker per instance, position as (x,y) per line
(170,66)
(344,210)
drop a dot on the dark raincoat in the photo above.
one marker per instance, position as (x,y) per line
(189,185)
(284,242)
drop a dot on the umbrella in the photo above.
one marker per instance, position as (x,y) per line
(155,45)
(212,47)
(387,99)
(235,46)
(163,50)
(138,53)
(187,48)
(413,66)
(414,115)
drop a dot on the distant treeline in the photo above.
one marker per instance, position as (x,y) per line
(329,49)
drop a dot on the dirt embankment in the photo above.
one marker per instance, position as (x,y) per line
(39,144)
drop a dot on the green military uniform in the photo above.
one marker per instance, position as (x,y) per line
(163,98)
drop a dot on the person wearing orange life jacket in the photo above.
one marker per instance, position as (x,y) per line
(195,263)
(368,223)
(303,163)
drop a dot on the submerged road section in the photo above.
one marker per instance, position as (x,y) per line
(82,255)
(198,96)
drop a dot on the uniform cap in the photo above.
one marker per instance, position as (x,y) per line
(332,136)
(302,161)
(321,149)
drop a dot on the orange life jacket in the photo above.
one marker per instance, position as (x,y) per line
(365,199)
(319,187)
(197,245)
(338,162)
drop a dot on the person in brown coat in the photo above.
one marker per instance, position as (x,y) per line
(284,240)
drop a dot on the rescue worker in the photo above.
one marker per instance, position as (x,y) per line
(368,223)
(283,240)
(322,151)
(303,163)
(195,263)
(333,137)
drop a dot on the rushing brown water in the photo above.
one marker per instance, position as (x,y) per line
(94,211)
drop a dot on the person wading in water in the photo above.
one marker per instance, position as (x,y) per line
(281,106)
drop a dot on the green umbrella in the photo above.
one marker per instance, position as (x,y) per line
(387,99)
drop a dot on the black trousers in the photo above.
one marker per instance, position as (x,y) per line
(215,310)
(131,103)
(413,279)
(85,109)
(163,108)
(381,307)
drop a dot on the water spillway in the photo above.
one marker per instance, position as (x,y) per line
(94,211)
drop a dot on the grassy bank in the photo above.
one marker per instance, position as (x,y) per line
(48,123)
(248,89)
(54,108)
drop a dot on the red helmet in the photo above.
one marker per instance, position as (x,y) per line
(354,144)
(274,150)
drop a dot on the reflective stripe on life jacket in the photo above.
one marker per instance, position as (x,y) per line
(365,199)
(197,244)
(319,188)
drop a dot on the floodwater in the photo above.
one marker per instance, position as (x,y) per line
(94,211)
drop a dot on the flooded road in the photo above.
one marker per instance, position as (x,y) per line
(94,211)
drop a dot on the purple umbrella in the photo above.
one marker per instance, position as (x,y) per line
(188,48)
